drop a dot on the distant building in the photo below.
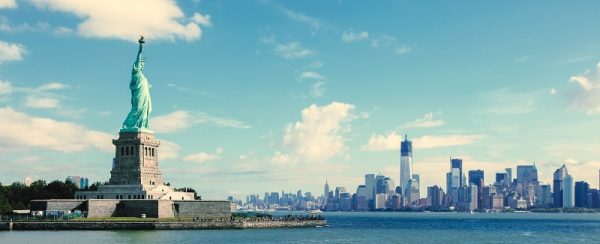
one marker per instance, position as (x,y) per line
(80,182)
(582,189)
(380,200)
(476,177)
(454,180)
(558,186)
(544,196)
(345,202)
(414,186)
(568,192)
(527,178)
(361,202)
(435,196)
(406,165)
(370,187)
(473,197)
(325,191)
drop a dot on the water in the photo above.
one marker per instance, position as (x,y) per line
(362,228)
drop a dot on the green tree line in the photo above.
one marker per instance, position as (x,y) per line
(17,195)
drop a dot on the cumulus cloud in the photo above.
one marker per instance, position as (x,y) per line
(425,122)
(181,119)
(11,52)
(126,20)
(41,102)
(19,131)
(202,157)
(168,150)
(391,141)
(8,4)
(585,93)
(319,135)
(350,36)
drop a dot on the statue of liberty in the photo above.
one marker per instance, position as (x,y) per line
(141,103)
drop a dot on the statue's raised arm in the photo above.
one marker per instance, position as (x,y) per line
(140,50)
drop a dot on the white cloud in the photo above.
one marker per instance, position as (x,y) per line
(585,95)
(202,157)
(402,50)
(52,86)
(392,140)
(553,91)
(293,50)
(310,75)
(126,20)
(282,159)
(350,36)
(318,136)
(11,52)
(381,40)
(425,122)
(317,89)
(8,4)
(41,102)
(313,23)
(20,131)
(202,19)
(168,150)
(181,119)
(5,87)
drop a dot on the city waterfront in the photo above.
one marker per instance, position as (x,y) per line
(375,227)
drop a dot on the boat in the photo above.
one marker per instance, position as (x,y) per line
(314,211)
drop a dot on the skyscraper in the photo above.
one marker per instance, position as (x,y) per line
(476,177)
(456,163)
(370,188)
(527,178)
(582,189)
(414,186)
(526,173)
(454,179)
(325,191)
(558,185)
(380,186)
(568,192)
(405,165)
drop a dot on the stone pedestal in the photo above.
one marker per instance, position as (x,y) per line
(136,160)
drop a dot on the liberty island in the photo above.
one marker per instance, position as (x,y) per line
(136,196)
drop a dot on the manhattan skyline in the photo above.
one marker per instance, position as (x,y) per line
(308,91)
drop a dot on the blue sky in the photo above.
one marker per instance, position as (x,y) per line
(255,96)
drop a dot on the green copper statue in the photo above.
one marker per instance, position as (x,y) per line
(141,103)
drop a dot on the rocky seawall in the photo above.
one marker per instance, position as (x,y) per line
(204,225)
